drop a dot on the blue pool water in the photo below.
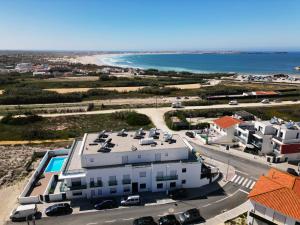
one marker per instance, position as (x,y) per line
(55,164)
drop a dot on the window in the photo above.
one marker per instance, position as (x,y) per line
(113,178)
(183,181)
(166,154)
(99,181)
(157,156)
(77,194)
(172,184)
(160,174)
(139,156)
(184,170)
(281,134)
(99,191)
(92,182)
(160,186)
(91,160)
(113,190)
(124,159)
(93,193)
(126,189)
(126,177)
(143,174)
(142,186)
(297,136)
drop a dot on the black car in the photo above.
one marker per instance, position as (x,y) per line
(190,134)
(146,220)
(178,193)
(168,220)
(106,204)
(292,171)
(191,216)
(58,209)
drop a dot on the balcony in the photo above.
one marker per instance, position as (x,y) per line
(97,184)
(77,187)
(126,181)
(166,178)
(112,183)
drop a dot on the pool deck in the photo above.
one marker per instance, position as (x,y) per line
(39,190)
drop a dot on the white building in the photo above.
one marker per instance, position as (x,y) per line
(103,164)
(275,199)
(23,67)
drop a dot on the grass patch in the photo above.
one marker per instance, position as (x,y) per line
(65,127)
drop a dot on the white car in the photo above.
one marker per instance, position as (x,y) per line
(131,200)
(265,101)
(233,102)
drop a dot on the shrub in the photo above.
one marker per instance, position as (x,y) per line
(23,120)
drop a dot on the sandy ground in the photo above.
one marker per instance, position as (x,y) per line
(32,142)
(9,200)
(77,78)
(120,89)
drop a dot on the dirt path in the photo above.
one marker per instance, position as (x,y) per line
(33,142)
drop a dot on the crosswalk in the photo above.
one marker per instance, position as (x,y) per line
(243,181)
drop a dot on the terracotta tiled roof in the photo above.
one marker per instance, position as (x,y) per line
(266,93)
(280,191)
(226,121)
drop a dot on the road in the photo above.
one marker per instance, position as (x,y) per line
(226,198)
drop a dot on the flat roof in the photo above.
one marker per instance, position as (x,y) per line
(127,142)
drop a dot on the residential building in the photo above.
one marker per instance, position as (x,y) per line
(275,199)
(225,127)
(276,138)
(105,164)
(23,67)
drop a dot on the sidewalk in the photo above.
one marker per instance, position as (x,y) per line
(222,218)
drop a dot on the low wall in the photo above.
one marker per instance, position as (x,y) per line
(55,197)
(23,198)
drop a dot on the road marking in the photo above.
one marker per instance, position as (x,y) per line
(240,182)
(91,223)
(233,178)
(110,221)
(245,181)
(244,191)
(248,184)
(178,213)
(229,196)
(237,180)
(162,214)
(206,205)
(252,185)
(128,219)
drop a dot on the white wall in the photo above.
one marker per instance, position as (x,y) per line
(115,158)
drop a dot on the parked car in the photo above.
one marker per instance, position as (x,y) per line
(106,204)
(233,102)
(190,134)
(146,220)
(131,200)
(191,216)
(292,171)
(178,193)
(168,220)
(265,101)
(23,212)
(58,209)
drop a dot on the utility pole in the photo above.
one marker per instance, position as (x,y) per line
(227,170)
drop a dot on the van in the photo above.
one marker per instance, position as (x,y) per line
(131,200)
(23,212)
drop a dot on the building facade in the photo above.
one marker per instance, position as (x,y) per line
(107,164)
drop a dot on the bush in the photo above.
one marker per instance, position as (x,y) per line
(132,118)
(23,120)
(201,126)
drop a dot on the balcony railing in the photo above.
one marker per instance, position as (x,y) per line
(165,178)
(112,183)
(78,187)
(97,184)
(126,181)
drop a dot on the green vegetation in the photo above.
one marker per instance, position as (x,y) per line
(20,120)
(265,113)
(64,127)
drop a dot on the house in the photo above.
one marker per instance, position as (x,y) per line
(108,164)
(275,199)
(225,127)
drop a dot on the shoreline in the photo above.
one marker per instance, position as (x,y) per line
(109,59)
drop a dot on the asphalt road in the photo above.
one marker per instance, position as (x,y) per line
(226,198)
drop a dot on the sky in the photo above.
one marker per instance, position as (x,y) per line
(150,25)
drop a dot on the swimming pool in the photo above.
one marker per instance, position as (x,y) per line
(55,164)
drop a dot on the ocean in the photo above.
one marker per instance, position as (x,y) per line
(244,63)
